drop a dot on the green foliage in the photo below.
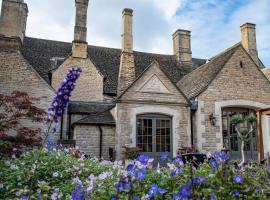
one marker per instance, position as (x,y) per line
(45,174)
(250,118)
(235,119)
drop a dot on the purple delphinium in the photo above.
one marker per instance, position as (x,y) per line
(154,190)
(61,99)
(140,174)
(77,194)
(238,179)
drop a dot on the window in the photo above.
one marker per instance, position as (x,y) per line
(154,133)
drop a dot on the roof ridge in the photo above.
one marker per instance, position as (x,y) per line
(211,60)
(225,50)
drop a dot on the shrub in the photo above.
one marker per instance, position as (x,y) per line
(13,109)
(58,174)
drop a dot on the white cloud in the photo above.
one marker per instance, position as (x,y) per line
(169,8)
(214,23)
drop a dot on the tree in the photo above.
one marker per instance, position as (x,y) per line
(14,109)
(244,127)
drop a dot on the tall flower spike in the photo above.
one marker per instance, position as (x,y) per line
(61,99)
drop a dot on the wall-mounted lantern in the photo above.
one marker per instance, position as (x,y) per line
(212,119)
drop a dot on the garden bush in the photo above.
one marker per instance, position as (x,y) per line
(67,174)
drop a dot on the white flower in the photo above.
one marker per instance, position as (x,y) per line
(38,190)
(76,180)
(55,174)
(14,167)
(82,164)
(17,193)
(104,175)
(54,196)
(158,168)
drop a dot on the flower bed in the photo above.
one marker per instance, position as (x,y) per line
(65,174)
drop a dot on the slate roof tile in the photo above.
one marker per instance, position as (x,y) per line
(40,52)
(198,80)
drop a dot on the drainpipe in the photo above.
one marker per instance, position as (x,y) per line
(193,109)
(100,141)
(191,128)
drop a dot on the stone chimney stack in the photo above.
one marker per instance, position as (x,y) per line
(127,66)
(248,40)
(79,45)
(13,19)
(182,46)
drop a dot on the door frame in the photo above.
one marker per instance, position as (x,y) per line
(237,154)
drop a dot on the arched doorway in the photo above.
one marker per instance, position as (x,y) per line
(231,140)
(154,134)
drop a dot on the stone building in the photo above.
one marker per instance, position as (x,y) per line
(129,98)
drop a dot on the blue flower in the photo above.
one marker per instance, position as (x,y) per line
(144,161)
(154,190)
(185,191)
(221,157)
(136,198)
(130,168)
(122,185)
(24,197)
(177,160)
(140,174)
(235,193)
(198,180)
(176,171)
(113,198)
(164,156)
(78,194)
(212,197)
(238,179)
(213,163)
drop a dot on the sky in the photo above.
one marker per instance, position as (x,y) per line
(214,24)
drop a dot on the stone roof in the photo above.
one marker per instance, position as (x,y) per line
(96,112)
(102,118)
(47,55)
(82,107)
(198,80)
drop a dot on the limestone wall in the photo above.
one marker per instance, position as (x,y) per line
(88,139)
(233,87)
(17,74)
(89,86)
